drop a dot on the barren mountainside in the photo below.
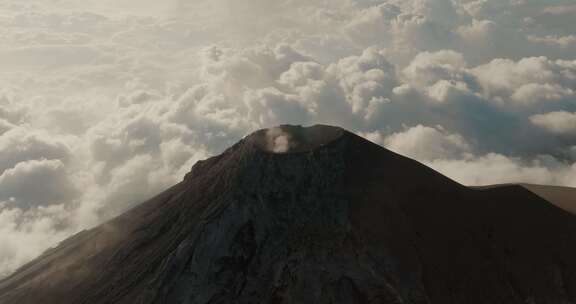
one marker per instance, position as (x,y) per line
(296,215)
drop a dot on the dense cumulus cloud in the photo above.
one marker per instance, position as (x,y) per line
(105,103)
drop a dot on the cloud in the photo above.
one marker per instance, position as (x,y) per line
(427,143)
(428,67)
(496,168)
(5,126)
(36,183)
(453,156)
(10,110)
(556,122)
(20,144)
(102,99)
(25,234)
(529,80)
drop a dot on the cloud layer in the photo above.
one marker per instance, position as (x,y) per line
(105,103)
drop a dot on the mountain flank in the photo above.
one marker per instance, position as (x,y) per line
(314,215)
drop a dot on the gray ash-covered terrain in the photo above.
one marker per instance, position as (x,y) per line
(297,215)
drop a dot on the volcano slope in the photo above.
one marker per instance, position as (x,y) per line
(329,218)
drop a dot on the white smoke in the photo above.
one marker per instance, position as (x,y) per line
(278,140)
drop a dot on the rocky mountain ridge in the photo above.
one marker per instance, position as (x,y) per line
(314,215)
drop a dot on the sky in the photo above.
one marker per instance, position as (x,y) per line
(106,103)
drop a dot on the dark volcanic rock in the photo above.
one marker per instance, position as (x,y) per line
(331,219)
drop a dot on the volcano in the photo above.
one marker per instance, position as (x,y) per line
(314,215)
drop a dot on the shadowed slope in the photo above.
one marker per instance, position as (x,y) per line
(315,215)
(562,197)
